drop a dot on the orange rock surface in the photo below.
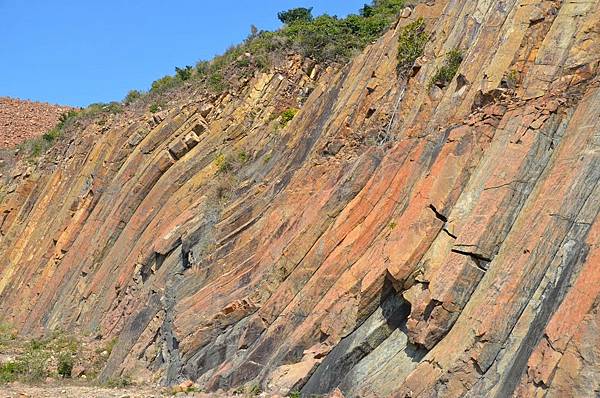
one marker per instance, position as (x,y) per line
(458,256)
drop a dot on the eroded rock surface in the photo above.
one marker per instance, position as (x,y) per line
(394,239)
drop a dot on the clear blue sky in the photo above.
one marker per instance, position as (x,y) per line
(76,52)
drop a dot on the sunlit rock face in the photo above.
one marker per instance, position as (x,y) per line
(395,238)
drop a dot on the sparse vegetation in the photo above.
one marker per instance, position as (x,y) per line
(163,84)
(154,108)
(223,163)
(36,146)
(119,382)
(254,390)
(132,96)
(216,82)
(111,345)
(95,109)
(184,73)
(295,394)
(512,78)
(243,156)
(10,371)
(447,71)
(37,359)
(324,38)
(411,44)
(65,364)
(287,116)
(268,158)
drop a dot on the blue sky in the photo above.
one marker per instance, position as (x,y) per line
(76,52)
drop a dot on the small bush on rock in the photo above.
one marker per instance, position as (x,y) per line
(154,108)
(223,163)
(184,73)
(65,364)
(447,71)
(411,44)
(287,116)
(10,371)
(132,96)
(119,382)
(216,82)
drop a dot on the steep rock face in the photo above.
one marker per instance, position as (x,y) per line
(395,239)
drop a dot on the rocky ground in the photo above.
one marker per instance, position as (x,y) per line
(21,120)
(72,390)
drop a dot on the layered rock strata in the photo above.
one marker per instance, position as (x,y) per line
(396,238)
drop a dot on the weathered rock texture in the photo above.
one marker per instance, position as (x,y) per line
(395,239)
(22,119)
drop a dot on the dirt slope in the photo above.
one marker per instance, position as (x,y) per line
(394,239)
(21,120)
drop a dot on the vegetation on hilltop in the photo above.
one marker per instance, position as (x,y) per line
(36,146)
(324,38)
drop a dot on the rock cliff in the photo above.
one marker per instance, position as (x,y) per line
(395,238)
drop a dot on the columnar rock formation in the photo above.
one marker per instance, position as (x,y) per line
(394,239)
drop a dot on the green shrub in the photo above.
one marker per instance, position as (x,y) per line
(163,84)
(512,78)
(65,117)
(242,62)
(111,345)
(243,156)
(132,96)
(65,364)
(262,63)
(324,38)
(216,82)
(7,334)
(328,38)
(287,116)
(295,394)
(154,108)
(411,44)
(184,73)
(202,67)
(10,371)
(119,382)
(254,390)
(447,71)
(51,135)
(36,149)
(223,163)
(36,344)
(300,14)
(99,108)
(34,362)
